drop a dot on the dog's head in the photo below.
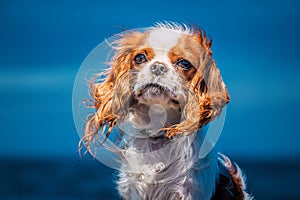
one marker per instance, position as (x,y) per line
(167,69)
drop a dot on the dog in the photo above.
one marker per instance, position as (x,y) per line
(161,91)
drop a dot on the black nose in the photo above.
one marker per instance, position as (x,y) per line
(158,69)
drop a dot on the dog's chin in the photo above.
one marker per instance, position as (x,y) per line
(155,107)
(151,94)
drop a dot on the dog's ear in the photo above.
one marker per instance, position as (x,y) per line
(109,97)
(213,92)
(208,93)
(210,89)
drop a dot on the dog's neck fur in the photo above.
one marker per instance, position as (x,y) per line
(173,170)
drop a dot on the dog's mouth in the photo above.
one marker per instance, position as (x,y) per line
(154,107)
(153,93)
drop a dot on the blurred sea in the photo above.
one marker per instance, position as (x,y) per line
(88,179)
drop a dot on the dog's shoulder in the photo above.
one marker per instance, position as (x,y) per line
(231,181)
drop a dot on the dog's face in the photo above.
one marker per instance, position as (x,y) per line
(161,71)
(167,69)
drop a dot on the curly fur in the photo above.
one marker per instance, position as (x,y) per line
(167,167)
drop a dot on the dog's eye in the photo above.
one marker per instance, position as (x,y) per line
(184,64)
(140,58)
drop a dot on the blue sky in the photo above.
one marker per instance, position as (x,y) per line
(255,43)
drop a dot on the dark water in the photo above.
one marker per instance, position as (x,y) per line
(88,179)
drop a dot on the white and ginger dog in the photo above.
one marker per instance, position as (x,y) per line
(165,86)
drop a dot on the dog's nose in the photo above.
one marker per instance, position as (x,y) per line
(158,68)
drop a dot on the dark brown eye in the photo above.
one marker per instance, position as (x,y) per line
(184,64)
(140,58)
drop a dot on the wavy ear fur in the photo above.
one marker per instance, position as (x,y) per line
(107,101)
(213,93)
(209,89)
(110,96)
(208,93)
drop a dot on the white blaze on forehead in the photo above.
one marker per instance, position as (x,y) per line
(163,39)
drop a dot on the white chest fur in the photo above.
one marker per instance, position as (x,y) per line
(171,172)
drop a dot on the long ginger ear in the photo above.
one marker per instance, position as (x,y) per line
(110,97)
(213,93)
(209,88)
(208,95)
(207,92)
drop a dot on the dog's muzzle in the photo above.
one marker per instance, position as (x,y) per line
(158,69)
